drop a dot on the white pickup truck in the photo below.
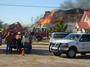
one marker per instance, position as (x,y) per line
(72,44)
(54,40)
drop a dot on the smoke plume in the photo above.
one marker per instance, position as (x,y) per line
(84,4)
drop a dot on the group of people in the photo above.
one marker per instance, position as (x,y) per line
(18,41)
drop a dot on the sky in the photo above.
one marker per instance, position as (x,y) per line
(25,15)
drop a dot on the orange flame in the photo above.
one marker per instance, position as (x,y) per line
(47,20)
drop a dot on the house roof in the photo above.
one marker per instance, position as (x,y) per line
(87,13)
(83,25)
(74,11)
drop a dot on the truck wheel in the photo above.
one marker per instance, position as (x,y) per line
(50,48)
(57,53)
(39,38)
(71,53)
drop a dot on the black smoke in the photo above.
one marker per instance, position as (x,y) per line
(84,4)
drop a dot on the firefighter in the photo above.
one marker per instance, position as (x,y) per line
(26,40)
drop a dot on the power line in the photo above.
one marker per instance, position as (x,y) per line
(14,5)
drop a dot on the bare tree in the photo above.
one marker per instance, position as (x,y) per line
(1,23)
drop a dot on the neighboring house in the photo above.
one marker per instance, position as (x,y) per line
(71,16)
(84,24)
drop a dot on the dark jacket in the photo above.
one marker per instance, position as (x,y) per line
(8,39)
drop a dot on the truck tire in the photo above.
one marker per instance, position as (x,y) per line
(50,48)
(57,53)
(71,53)
(39,38)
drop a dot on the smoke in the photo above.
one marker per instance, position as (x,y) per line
(84,4)
(68,4)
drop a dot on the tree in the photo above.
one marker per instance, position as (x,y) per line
(1,24)
(58,27)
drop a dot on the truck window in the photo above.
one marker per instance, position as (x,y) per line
(85,38)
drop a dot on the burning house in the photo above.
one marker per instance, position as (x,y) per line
(49,19)
(69,17)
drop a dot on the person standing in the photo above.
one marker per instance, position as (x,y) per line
(18,41)
(8,40)
(1,36)
(26,40)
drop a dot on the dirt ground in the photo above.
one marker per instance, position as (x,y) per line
(40,57)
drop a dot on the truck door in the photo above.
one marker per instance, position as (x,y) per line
(85,43)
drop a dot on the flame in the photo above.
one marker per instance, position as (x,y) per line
(47,20)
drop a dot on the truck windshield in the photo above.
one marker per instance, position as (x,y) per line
(37,30)
(73,37)
(40,30)
(59,35)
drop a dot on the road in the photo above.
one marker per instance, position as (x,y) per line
(41,57)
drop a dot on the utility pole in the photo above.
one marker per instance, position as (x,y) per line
(32,20)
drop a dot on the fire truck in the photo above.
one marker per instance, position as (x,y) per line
(40,33)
